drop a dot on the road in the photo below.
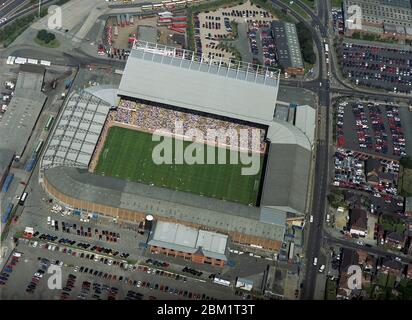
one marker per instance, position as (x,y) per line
(8,6)
(322,87)
(373,250)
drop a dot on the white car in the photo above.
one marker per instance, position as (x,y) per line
(110,262)
(315,261)
(322,268)
(360,243)
(35,244)
(76,268)
(139,283)
(311,219)
(398,259)
(38,275)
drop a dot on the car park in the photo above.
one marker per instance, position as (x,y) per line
(377,66)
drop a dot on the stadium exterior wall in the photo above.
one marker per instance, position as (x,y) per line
(135,216)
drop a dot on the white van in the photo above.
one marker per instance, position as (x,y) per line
(48,220)
(52,223)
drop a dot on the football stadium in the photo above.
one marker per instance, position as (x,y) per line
(99,158)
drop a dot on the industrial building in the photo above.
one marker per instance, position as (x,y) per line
(287,47)
(177,78)
(389,18)
(199,246)
(24,110)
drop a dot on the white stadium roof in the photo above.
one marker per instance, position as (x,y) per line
(186,239)
(178,77)
(77,131)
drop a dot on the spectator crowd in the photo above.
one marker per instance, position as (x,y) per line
(150,118)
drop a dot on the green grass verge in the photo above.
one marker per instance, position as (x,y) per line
(336,3)
(405,183)
(309,3)
(52,44)
(331,289)
(382,279)
(371,37)
(268,6)
(296,8)
(127,154)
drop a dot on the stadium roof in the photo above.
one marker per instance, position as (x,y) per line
(179,78)
(281,132)
(6,157)
(186,239)
(23,111)
(192,208)
(107,93)
(305,121)
(287,178)
(77,131)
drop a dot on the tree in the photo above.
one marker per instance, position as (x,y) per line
(45,36)
(406,162)
(306,43)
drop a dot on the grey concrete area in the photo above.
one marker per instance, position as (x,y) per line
(242,42)
(296,95)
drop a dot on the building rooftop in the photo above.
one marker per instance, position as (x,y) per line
(23,111)
(77,131)
(359,219)
(6,157)
(287,177)
(186,239)
(287,44)
(180,78)
(192,208)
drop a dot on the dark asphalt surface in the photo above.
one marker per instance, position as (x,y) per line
(7,6)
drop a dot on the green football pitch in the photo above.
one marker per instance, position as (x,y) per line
(127,154)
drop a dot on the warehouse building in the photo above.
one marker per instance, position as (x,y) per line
(23,111)
(199,246)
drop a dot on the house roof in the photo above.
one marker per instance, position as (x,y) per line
(391,264)
(395,237)
(349,257)
(358,219)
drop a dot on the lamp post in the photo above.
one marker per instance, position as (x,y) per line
(39,7)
